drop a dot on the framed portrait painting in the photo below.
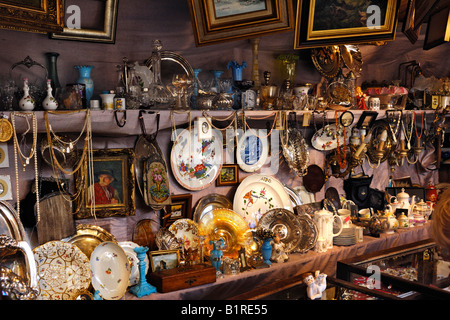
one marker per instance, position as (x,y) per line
(217,21)
(330,22)
(107,186)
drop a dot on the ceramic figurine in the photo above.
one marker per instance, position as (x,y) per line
(27,102)
(315,286)
(49,102)
(216,255)
(278,250)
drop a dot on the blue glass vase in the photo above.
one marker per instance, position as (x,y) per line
(236,69)
(85,78)
(266,250)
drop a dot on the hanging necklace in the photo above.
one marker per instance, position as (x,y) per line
(394,124)
(18,152)
(419,136)
(408,131)
(274,114)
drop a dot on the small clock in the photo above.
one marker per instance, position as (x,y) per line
(347,118)
(248,99)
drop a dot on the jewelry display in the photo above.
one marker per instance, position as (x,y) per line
(25,160)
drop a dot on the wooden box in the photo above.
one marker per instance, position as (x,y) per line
(182,277)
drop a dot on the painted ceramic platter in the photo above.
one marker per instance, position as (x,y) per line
(210,202)
(110,270)
(252,151)
(128,247)
(196,163)
(222,223)
(63,270)
(186,233)
(284,223)
(256,195)
(326,138)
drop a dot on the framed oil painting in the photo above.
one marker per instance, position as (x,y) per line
(39,16)
(109,185)
(229,175)
(216,21)
(330,22)
(164,259)
(89,20)
(181,208)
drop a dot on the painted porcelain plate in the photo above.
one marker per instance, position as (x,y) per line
(252,151)
(128,247)
(326,138)
(222,223)
(284,223)
(196,163)
(110,270)
(256,195)
(186,233)
(63,270)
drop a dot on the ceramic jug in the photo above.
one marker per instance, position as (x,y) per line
(389,223)
(324,220)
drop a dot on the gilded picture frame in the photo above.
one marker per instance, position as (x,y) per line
(215,21)
(105,33)
(332,22)
(110,185)
(164,259)
(229,175)
(38,16)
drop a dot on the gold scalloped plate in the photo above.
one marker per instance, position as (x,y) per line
(228,225)
(327,60)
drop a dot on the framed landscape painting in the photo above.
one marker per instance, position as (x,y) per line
(217,21)
(329,22)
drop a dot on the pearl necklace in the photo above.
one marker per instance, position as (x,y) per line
(18,151)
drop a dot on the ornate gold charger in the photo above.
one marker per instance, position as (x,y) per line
(6,130)
(88,237)
(327,60)
(228,225)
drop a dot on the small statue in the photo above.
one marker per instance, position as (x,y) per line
(316,285)
(216,255)
(278,252)
(360,99)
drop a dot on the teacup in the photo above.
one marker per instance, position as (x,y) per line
(345,214)
(365,213)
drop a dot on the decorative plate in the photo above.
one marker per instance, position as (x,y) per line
(315,179)
(196,163)
(62,269)
(256,195)
(309,234)
(284,223)
(339,96)
(210,202)
(110,270)
(252,152)
(128,247)
(88,237)
(186,233)
(325,139)
(295,151)
(228,225)
(327,60)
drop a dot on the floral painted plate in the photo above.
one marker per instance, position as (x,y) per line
(186,233)
(110,271)
(62,269)
(256,195)
(252,152)
(128,247)
(196,163)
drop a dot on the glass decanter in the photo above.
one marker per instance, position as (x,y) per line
(159,94)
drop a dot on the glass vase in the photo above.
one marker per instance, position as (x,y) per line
(85,78)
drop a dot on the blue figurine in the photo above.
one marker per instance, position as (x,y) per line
(216,255)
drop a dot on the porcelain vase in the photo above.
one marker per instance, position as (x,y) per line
(266,250)
(85,78)
(49,102)
(27,102)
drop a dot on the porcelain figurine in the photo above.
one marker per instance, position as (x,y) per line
(315,286)
(49,102)
(278,250)
(27,102)
(216,255)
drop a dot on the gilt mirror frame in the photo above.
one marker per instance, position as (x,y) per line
(311,32)
(38,16)
(215,24)
(105,35)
